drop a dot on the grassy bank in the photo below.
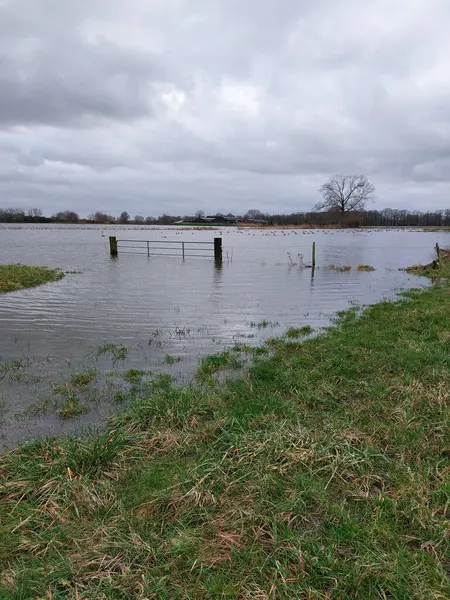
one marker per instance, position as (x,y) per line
(322,473)
(19,277)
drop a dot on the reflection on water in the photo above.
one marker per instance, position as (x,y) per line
(195,306)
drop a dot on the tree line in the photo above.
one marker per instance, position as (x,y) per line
(389,217)
(343,203)
(35,215)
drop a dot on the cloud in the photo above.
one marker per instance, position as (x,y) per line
(178,105)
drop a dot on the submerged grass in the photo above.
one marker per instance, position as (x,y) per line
(117,351)
(71,408)
(171,360)
(340,268)
(19,277)
(81,379)
(322,473)
(263,324)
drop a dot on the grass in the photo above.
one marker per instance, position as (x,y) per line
(81,379)
(215,363)
(321,473)
(435,269)
(118,352)
(296,332)
(263,324)
(134,376)
(171,360)
(19,277)
(366,268)
(71,408)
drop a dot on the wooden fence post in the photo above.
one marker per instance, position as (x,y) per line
(113,245)
(438,254)
(314,255)
(218,250)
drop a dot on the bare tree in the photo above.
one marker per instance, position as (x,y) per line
(124,217)
(139,219)
(254,215)
(345,194)
(67,216)
(101,217)
(200,214)
(34,212)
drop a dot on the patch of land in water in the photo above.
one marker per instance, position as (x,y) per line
(19,277)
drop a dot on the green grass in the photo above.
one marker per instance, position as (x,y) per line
(117,351)
(71,408)
(82,379)
(216,363)
(19,277)
(134,376)
(321,473)
(296,332)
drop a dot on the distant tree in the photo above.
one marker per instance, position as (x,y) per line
(124,217)
(150,220)
(200,214)
(345,193)
(12,215)
(34,212)
(447,217)
(139,219)
(101,217)
(254,214)
(67,216)
(166,219)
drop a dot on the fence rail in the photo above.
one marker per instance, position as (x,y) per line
(178,248)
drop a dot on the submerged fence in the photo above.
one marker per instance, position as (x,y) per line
(212,249)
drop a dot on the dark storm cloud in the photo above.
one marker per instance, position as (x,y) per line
(177,105)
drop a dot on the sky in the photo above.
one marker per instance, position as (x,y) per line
(174,106)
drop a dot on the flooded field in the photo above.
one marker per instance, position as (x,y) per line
(71,350)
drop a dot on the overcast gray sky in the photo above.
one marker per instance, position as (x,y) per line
(223,105)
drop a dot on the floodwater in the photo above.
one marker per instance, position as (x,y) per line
(164,313)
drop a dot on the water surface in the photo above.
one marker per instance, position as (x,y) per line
(163,309)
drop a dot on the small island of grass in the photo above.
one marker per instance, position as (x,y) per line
(19,277)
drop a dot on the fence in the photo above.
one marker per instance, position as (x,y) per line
(167,248)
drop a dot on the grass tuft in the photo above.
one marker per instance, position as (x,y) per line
(83,378)
(71,408)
